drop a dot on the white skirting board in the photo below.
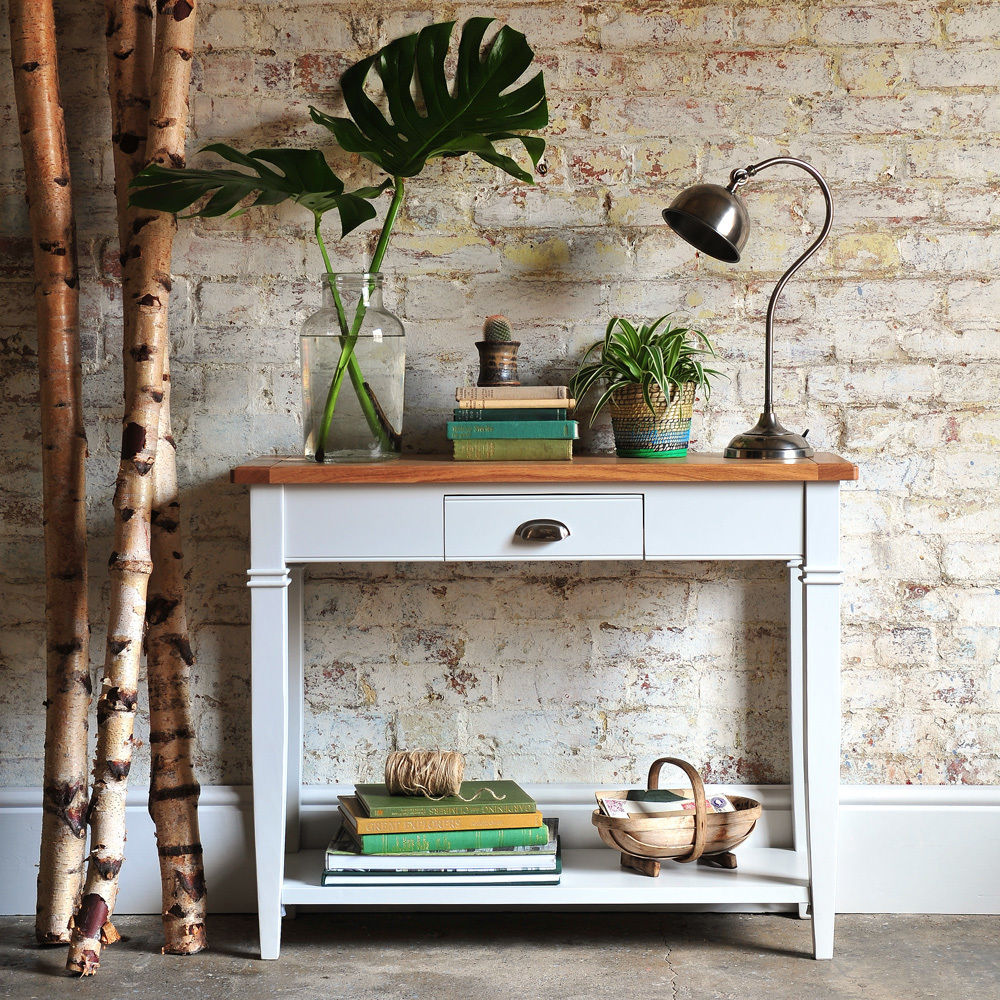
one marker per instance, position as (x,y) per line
(903,848)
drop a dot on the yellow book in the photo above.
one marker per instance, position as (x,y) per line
(478,402)
(358,823)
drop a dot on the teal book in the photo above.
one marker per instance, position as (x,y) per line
(459,430)
(491,413)
(452,840)
(522,450)
(474,797)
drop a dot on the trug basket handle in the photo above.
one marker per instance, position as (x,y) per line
(700,805)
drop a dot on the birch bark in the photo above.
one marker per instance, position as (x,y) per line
(174,790)
(64,449)
(146,288)
(173,787)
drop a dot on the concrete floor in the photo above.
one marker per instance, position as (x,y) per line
(582,956)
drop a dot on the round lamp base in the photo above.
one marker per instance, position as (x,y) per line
(769,440)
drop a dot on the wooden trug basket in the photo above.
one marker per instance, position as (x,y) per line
(681,836)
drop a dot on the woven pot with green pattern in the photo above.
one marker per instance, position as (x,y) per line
(647,375)
(664,433)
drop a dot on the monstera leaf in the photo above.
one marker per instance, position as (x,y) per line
(304,176)
(469,117)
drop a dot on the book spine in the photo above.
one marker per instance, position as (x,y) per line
(460,430)
(512,392)
(419,808)
(555,402)
(429,824)
(528,413)
(453,840)
(501,451)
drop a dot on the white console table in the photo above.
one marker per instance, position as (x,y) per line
(434,509)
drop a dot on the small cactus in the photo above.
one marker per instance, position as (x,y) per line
(497,330)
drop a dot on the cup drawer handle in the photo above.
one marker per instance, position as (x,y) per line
(542,529)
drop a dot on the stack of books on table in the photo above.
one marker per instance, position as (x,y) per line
(473,838)
(513,423)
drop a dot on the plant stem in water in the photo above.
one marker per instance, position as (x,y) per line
(348,362)
(371,412)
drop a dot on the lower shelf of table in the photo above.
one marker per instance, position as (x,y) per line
(590,878)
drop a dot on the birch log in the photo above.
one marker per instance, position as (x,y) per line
(173,788)
(129,31)
(146,287)
(64,448)
(173,802)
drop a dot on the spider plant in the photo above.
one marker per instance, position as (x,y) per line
(428,118)
(658,355)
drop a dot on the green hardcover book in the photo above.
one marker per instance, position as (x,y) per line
(528,449)
(459,430)
(484,797)
(455,840)
(492,413)
(343,855)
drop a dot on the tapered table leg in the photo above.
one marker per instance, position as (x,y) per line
(821,581)
(268,582)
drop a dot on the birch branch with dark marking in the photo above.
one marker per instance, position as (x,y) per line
(173,788)
(129,32)
(146,287)
(64,450)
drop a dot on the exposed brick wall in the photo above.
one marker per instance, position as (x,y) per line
(887,347)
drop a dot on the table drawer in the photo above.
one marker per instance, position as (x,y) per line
(734,521)
(599,526)
(363,523)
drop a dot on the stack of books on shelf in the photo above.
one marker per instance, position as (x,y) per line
(513,423)
(490,833)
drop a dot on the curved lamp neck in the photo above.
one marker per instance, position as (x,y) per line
(737,179)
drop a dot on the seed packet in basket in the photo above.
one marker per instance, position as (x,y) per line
(657,802)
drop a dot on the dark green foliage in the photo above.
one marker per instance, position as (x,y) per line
(302,175)
(645,355)
(476,111)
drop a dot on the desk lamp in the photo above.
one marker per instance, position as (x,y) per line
(714,220)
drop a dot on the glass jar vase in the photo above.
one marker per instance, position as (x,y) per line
(353,363)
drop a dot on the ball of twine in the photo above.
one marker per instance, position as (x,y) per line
(434,774)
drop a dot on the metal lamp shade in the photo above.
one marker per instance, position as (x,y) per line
(712,219)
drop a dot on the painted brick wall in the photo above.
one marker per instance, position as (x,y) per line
(887,348)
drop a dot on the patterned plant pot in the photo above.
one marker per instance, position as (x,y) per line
(662,434)
(498,362)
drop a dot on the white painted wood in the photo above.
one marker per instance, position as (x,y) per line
(600,526)
(268,582)
(226,823)
(921,822)
(295,706)
(821,578)
(945,854)
(796,710)
(723,520)
(788,521)
(364,523)
(589,878)
(870,797)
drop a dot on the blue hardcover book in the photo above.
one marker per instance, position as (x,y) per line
(460,430)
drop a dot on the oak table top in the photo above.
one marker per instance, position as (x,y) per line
(694,468)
